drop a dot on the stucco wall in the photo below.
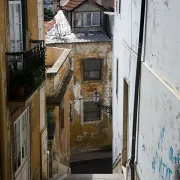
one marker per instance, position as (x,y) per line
(4,120)
(61,143)
(7,111)
(159,142)
(126,26)
(97,134)
(35,136)
(158,132)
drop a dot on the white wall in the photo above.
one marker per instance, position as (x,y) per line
(40,9)
(126,28)
(158,135)
(159,129)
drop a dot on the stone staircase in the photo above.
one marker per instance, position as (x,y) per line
(92,177)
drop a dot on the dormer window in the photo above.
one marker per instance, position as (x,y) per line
(87,19)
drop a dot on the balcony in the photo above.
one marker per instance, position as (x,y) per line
(26,72)
(59,73)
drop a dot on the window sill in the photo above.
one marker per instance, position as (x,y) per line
(92,81)
(91,122)
(22,166)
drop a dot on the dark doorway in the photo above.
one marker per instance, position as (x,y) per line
(95,166)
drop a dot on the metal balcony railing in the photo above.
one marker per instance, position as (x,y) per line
(26,71)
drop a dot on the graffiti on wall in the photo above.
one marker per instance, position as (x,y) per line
(164,169)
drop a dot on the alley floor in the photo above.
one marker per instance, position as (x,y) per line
(93,177)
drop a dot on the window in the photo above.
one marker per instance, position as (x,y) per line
(15,19)
(87,19)
(62,117)
(91,112)
(125,123)
(96,19)
(71,112)
(119,6)
(21,139)
(116,6)
(92,69)
(78,20)
(117,79)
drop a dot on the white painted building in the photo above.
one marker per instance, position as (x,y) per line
(157,148)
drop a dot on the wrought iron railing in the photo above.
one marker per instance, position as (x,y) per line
(26,71)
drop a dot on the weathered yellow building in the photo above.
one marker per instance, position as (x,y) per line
(59,74)
(23,150)
(84,32)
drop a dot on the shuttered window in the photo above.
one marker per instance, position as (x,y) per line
(15,19)
(21,139)
(92,69)
(91,112)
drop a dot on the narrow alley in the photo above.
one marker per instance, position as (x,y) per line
(89,90)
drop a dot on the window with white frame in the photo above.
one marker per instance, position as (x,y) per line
(87,19)
(15,19)
(21,139)
(91,112)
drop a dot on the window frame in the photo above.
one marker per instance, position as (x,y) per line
(62,117)
(91,111)
(76,20)
(100,70)
(19,120)
(82,17)
(14,3)
(119,7)
(117,77)
(99,18)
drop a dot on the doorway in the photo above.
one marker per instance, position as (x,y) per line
(125,123)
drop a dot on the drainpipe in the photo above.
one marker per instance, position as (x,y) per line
(136,92)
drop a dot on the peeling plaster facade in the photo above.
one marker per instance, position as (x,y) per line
(158,129)
(60,149)
(93,134)
(58,97)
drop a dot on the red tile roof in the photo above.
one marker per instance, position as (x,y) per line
(112,3)
(48,25)
(72,4)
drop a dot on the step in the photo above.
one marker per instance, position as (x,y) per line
(92,177)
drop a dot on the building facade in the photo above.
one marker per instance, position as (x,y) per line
(59,73)
(91,53)
(23,150)
(146,96)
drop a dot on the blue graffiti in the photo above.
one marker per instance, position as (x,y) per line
(164,170)
(172,157)
(143,148)
(154,164)
(161,138)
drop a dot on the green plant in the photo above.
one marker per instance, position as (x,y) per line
(38,75)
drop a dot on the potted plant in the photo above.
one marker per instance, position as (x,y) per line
(17,83)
